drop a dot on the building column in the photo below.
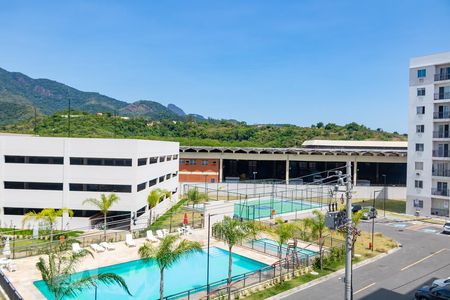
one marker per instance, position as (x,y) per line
(220,169)
(355,172)
(287,169)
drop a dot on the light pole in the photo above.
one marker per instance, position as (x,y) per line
(373,217)
(206,178)
(384,195)
(254,182)
(348,250)
(207,259)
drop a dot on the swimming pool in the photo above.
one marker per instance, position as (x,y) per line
(252,209)
(271,246)
(143,279)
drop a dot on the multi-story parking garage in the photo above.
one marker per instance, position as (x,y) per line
(373,162)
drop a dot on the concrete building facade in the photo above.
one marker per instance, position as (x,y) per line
(41,172)
(428,135)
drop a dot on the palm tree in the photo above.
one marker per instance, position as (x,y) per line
(317,227)
(104,205)
(233,231)
(283,233)
(166,254)
(195,197)
(57,269)
(48,215)
(356,219)
(155,196)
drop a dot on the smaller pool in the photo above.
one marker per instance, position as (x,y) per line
(272,246)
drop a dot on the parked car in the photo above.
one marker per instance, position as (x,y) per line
(433,293)
(446,228)
(356,208)
(441,282)
(369,213)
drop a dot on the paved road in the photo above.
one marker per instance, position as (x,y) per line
(424,257)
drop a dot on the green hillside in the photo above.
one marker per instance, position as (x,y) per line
(194,132)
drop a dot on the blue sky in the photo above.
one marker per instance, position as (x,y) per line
(296,62)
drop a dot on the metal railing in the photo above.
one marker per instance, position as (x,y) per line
(441,134)
(8,288)
(440,192)
(441,96)
(441,153)
(441,172)
(441,76)
(441,115)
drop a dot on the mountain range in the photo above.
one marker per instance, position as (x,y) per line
(21,96)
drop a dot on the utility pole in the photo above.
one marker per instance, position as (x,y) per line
(348,257)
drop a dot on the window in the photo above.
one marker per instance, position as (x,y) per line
(204,162)
(192,161)
(214,162)
(142,161)
(420,128)
(420,110)
(162,178)
(152,182)
(47,160)
(419,166)
(418,184)
(47,186)
(421,92)
(87,187)
(418,203)
(419,147)
(187,162)
(169,157)
(153,160)
(421,73)
(175,156)
(141,186)
(140,211)
(168,176)
(162,158)
(91,161)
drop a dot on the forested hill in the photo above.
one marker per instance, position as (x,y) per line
(194,132)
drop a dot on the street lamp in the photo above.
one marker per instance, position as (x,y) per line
(373,217)
(207,259)
(384,195)
(254,182)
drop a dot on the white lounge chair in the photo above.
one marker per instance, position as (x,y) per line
(180,230)
(188,229)
(160,234)
(97,248)
(11,266)
(129,240)
(151,237)
(4,261)
(76,248)
(108,246)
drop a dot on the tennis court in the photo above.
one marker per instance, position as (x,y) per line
(252,209)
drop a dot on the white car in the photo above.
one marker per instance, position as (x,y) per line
(446,228)
(441,282)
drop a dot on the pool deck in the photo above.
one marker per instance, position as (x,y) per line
(27,273)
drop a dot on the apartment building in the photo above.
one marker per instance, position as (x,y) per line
(428,171)
(49,172)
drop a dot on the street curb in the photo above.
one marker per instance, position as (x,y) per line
(329,276)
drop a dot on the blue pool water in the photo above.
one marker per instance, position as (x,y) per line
(143,279)
(274,244)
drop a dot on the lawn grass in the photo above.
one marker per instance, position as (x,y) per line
(396,206)
(174,217)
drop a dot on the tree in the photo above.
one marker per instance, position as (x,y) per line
(104,205)
(48,215)
(356,219)
(166,254)
(57,269)
(317,227)
(155,196)
(233,231)
(283,233)
(195,197)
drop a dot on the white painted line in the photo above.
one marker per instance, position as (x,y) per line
(421,260)
(364,288)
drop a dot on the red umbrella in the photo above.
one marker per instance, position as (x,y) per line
(185,220)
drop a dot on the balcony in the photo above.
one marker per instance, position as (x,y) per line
(440,77)
(442,172)
(441,134)
(441,96)
(440,192)
(440,153)
(441,115)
